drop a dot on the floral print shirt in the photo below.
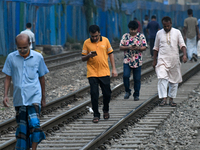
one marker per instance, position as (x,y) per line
(133,57)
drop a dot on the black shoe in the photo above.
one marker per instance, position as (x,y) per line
(194,56)
(136,98)
(126,96)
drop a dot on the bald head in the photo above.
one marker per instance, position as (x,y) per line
(22,38)
(23,44)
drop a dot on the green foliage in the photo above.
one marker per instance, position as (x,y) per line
(2,60)
(89,9)
(63,4)
(76,46)
(70,39)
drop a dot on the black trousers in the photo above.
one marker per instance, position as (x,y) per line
(152,40)
(104,83)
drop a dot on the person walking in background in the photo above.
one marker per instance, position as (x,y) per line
(144,25)
(198,24)
(139,24)
(96,50)
(152,29)
(30,34)
(190,31)
(166,60)
(132,43)
(27,69)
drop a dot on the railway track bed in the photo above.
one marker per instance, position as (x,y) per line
(81,133)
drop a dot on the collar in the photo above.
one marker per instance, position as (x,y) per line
(134,35)
(98,41)
(30,54)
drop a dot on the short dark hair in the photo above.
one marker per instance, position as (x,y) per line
(190,11)
(94,29)
(153,17)
(166,19)
(28,25)
(133,25)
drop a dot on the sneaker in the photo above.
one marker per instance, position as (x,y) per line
(127,94)
(136,98)
(194,56)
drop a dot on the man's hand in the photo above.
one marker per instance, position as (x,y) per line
(185,38)
(6,101)
(43,103)
(154,63)
(92,54)
(114,73)
(198,36)
(184,59)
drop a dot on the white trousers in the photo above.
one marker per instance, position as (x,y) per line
(162,88)
(191,47)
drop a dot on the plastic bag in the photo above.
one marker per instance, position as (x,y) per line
(198,48)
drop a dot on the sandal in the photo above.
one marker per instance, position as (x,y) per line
(163,103)
(106,115)
(95,120)
(172,104)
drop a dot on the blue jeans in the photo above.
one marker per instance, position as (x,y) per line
(136,78)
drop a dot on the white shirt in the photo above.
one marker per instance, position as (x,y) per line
(168,63)
(31,36)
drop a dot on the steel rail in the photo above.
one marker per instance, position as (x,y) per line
(72,114)
(118,128)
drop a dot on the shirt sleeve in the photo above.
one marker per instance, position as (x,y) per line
(148,26)
(143,40)
(196,21)
(109,47)
(42,70)
(185,23)
(84,50)
(180,40)
(123,41)
(7,67)
(156,44)
(33,37)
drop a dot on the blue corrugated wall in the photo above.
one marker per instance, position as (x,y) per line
(54,24)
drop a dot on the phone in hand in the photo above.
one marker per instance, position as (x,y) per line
(94,52)
(134,45)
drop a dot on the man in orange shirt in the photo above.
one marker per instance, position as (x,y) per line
(96,50)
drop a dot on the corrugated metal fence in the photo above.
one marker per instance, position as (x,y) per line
(55,21)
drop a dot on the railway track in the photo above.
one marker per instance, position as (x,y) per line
(53,125)
(9,126)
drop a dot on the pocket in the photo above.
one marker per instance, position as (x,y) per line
(31,71)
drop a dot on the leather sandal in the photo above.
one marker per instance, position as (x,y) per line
(106,115)
(95,120)
(172,104)
(163,103)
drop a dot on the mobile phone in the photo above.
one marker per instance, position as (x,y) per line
(94,52)
(134,45)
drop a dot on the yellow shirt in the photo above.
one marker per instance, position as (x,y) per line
(98,65)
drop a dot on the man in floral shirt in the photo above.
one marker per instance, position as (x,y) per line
(132,43)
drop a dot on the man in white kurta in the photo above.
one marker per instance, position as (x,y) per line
(166,60)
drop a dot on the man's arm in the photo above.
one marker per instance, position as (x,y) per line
(112,61)
(86,57)
(155,54)
(123,48)
(6,88)
(184,32)
(42,83)
(197,30)
(183,48)
(131,47)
